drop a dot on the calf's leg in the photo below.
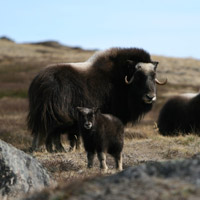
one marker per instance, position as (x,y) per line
(102,160)
(90,157)
(118,161)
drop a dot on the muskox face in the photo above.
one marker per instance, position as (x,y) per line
(142,80)
(88,117)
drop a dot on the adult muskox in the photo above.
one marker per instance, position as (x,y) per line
(118,81)
(180,114)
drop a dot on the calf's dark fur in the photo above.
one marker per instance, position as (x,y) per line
(101,133)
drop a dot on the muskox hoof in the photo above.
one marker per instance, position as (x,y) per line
(38,149)
(60,150)
(30,150)
(104,170)
(78,147)
(71,149)
(90,165)
(119,169)
(50,149)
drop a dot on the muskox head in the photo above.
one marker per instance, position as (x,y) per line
(88,117)
(141,78)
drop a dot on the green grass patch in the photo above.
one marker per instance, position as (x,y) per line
(14,94)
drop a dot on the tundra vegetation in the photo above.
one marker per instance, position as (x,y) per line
(19,64)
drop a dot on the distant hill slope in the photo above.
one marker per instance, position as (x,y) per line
(55,44)
(180,72)
(42,51)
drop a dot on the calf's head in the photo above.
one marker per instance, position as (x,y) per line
(88,117)
(141,79)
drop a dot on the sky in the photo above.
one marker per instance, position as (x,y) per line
(167,28)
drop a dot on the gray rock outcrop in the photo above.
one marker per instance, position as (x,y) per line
(20,173)
(177,179)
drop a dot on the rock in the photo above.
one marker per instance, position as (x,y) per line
(20,173)
(187,170)
(177,179)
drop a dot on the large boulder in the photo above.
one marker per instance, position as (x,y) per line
(20,173)
(177,179)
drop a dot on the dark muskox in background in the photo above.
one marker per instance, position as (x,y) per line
(180,114)
(118,81)
(101,133)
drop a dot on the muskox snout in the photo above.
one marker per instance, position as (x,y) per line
(88,125)
(149,98)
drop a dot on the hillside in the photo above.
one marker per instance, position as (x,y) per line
(19,63)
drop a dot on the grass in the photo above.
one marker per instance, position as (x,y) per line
(14,94)
(142,141)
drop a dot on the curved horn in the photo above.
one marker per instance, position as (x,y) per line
(160,83)
(129,82)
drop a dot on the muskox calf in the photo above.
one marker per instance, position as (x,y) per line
(180,114)
(101,133)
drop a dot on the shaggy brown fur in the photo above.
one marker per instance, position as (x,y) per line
(57,90)
(180,115)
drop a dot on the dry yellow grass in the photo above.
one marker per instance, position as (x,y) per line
(20,62)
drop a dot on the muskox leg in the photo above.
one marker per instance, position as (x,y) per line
(74,137)
(49,142)
(57,142)
(74,140)
(35,144)
(118,161)
(38,139)
(102,160)
(90,157)
(78,142)
(54,139)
